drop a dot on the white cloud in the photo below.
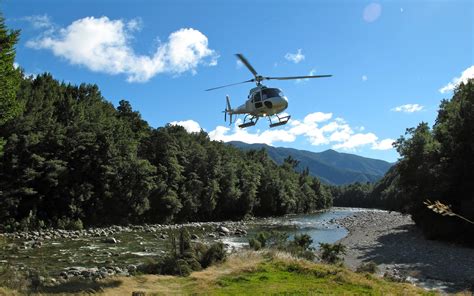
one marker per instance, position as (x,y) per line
(135,24)
(372,12)
(317,117)
(336,132)
(39,21)
(190,125)
(364,77)
(295,57)
(226,134)
(383,145)
(465,76)
(408,108)
(16,65)
(103,45)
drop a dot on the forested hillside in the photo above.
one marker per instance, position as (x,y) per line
(329,166)
(71,158)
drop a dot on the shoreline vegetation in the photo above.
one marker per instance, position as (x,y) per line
(262,272)
(388,239)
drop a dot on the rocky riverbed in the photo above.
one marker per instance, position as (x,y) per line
(392,241)
(57,255)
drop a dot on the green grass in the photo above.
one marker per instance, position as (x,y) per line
(251,273)
(274,277)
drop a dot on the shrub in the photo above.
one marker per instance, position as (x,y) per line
(255,244)
(303,240)
(332,253)
(271,239)
(69,224)
(216,253)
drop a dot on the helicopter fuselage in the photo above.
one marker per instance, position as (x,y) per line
(263,101)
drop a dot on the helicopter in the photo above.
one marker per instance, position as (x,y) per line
(262,101)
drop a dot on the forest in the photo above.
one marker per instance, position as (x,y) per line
(71,159)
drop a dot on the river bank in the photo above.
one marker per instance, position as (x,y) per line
(393,242)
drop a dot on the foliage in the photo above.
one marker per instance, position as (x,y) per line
(300,246)
(215,253)
(332,253)
(10,77)
(438,163)
(268,239)
(442,209)
(71,154)
(185,257)
(435,163)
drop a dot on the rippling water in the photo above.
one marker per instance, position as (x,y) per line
(320,226)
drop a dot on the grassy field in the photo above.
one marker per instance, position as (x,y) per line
(246,273)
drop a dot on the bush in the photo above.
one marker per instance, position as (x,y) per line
(185,257)
(69,224)
(300,246)
(332,253)
(255,244)
(216,253)
(303,240)
(271,239)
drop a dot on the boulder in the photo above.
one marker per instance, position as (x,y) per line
(223,229)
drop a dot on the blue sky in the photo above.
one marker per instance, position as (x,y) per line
(392,61)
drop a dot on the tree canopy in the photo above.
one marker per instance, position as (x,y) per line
(9,76)
(72,158)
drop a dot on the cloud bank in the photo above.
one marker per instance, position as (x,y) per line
(317,128)
(103,45)
(190,126)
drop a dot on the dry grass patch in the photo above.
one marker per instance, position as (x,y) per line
(197,282)
(241,262)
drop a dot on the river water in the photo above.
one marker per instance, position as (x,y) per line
(136,247)
(321,226)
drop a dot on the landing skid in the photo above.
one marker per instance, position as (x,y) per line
(252,122)
(281,120)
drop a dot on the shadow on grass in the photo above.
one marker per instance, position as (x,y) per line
(76,286)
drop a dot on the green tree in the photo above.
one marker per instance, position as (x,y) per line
(10,77)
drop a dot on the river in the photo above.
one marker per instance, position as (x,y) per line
(54,251)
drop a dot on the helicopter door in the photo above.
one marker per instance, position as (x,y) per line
(257,99)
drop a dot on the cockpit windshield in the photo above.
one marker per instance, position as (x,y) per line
(271,92)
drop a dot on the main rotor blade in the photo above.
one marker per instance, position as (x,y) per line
(297,77)
(246,63)
(251,80)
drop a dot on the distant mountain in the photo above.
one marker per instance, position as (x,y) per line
(329,166)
